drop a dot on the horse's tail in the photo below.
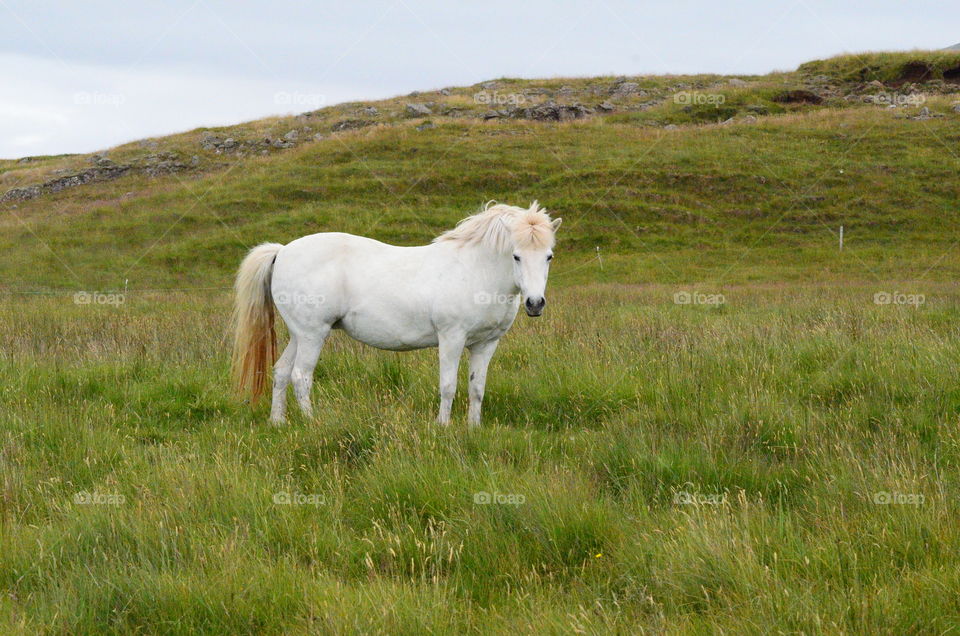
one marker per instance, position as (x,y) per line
(254,340)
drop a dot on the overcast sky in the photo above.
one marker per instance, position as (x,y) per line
(83,76)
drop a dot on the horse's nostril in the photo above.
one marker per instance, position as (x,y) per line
(535,304)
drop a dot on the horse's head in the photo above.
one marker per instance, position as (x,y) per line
(526,235)
(533,234)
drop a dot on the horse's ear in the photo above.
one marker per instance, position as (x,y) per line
(556,224)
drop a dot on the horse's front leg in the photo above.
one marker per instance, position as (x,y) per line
(480,355)
(451,347)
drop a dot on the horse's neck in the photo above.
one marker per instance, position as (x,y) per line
(494,271)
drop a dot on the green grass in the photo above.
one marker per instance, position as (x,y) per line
(796,406)
(786,410)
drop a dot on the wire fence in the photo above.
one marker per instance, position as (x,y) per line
(70,292)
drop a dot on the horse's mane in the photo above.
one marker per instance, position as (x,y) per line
(503,228)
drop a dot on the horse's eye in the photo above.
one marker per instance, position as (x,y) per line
(549,257)
(516,258)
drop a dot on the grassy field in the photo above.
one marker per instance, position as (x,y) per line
(777,455)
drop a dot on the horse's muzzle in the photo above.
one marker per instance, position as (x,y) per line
(534,306)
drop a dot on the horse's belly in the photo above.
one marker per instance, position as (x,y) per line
(390,334)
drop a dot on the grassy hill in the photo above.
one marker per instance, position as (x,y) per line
(627,181)
(783,458)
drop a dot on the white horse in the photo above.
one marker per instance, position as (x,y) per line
(462,290)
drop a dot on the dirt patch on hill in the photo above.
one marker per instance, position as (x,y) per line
(914,72)
(952,75)
(798,96)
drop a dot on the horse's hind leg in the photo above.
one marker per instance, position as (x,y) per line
(308,351)
(281,379)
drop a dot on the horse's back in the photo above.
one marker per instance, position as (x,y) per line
(337,241)
(374,290)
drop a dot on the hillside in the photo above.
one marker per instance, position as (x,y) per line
(653,171)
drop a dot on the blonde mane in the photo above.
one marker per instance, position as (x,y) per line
(504,228)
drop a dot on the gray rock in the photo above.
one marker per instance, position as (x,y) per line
(21,194)
(418,110)
(293,135)
(736,81)
(749,119)
(606,106)
(426,125)
(100,172)
(956,109)
(625,88)
(317,137)
(444,91)
(551,111)
(671,127)
(350,124)
(370,111)
(164,167)
(926,114)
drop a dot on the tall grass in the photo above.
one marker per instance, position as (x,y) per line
(780,414)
